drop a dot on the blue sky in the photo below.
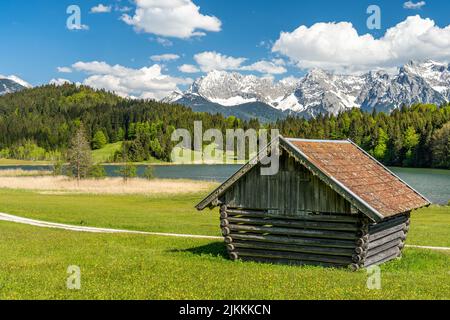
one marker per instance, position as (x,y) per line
(236,35)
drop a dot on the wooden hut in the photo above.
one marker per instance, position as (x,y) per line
(330,204)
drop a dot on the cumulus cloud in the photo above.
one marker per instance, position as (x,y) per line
(78,27)
(164,42)
(101,8)
(171,18)
(211,60)
(188,68)
(339,47)
(64,69)
(165,57)
(267,67)
(123,9)
(59,81)
(147,82)
(414,6)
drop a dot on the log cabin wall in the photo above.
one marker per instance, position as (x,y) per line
(333,240)
(386,240)
(292,191)
(330,204)
(295,218)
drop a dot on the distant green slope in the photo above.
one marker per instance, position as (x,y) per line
(106,153)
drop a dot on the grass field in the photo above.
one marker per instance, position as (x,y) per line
(106,153)
(34,261)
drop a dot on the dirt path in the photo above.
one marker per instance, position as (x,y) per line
(44,224)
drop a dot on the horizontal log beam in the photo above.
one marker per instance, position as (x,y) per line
(382,256)
(291,240)
(391,244)
(291,248)
(386,232)
(388,224)
(320,225)
(341,235)
(398,235)
(302,217)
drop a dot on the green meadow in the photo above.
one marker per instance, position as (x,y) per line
(34,261)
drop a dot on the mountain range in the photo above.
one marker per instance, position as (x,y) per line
(12,84)
(318,92)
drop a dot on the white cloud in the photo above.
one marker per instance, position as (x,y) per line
(78,27)
(339,47)
(64,69)
(188,68)
(164,42)
(291,80)
(414,6)
(101,8)
(165,57)
(60,81)
(211,60)
(171,18)
(123,9)
(147,82)
(265,67)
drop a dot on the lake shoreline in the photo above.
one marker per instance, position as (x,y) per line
(434,184)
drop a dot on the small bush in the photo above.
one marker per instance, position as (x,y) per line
(127,171)
(58,168)
(97,172)
(149,173)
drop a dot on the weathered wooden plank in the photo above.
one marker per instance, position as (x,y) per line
(382,257)
(386,232)
(296,224)
(291,248)
(374,228)
(298,216)
(384,247)
(398,235)
(293,240)
(294,232)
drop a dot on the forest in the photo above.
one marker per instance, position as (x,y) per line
(38,123)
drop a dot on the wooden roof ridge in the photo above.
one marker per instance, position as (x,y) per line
(300,156)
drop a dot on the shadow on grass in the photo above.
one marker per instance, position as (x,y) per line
(215,249)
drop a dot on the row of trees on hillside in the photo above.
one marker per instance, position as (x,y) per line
(416,136)
(81,166)
(48,117)
(38,124)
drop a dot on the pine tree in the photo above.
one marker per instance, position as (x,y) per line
(99,140)
(79,155)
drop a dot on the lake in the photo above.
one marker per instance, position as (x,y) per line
(432,183)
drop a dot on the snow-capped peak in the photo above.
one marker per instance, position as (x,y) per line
(232,88)
(11,84)
(18,80)
(324,92)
